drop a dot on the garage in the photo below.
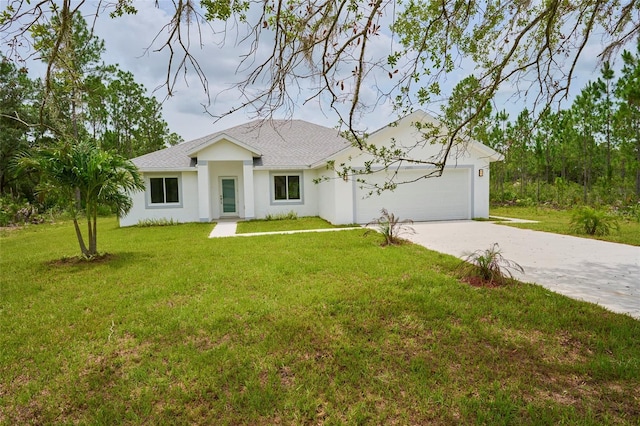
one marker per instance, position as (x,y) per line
(447,197)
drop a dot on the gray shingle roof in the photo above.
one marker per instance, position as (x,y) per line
(282,143)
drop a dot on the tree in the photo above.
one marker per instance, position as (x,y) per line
(604,91)
(133,123)
(587,123)
(581,145)
(82,178)
(473,113)
(520,140)
(81,99)
(533,46)
(72,54)
(86,97)
(628,90)
(17,96)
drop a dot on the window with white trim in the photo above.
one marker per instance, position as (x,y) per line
(287,187)
(164,190)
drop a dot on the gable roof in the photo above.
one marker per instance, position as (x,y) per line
(424,117)
(222,137)
(275,143)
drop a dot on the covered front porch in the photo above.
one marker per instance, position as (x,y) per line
(225,190)
(225,179)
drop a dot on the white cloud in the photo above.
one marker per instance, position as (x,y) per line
(129,42)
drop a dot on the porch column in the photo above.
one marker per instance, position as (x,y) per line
(247,178)
(204,209)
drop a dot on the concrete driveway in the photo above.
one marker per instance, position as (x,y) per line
(607,274)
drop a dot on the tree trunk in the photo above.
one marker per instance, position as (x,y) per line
(585,175)
(638,165)
(93,243)
(90,233)
(83,247)
(78,207)
(92,215)
(609,168)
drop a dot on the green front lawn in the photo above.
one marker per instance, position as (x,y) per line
(176,328)
(302,223)
(557,221)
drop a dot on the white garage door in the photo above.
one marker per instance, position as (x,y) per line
(447,197)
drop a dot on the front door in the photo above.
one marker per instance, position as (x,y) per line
(228,199)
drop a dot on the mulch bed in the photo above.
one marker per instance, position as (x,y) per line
(79,260)
(479,282)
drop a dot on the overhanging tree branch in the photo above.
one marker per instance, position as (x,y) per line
(534,46)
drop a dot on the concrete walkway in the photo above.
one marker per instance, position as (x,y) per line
(224,228)
(228,229)
(600,272)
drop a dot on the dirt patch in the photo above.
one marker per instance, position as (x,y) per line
(79,260)
(10,228)
(287,377)
(204,341)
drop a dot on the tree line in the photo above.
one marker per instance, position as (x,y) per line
(82,99)
(588,153)
(356,56)
(66,140)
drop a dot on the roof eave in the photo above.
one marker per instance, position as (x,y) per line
(488,152)
(325,160)
(283,167)
(165,169)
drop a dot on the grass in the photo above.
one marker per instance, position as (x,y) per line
(558,221)
(175,328)
(302,223)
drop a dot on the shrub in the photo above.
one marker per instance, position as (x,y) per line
(16,211)
(587,220)
(525,202)
(630,212)
(282,216)
(391,227)
(490,265)
(143,223)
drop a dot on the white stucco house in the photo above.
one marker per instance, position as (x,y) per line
(252,170)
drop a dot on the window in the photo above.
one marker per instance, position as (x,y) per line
(286,187)
(164,190)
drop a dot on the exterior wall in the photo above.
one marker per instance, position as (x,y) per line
(204,195)
(327,198)
(481,191)
(248,190)
(344,202)
(224,151)
(404,134)
(335,198)
(263,194)
(187,212)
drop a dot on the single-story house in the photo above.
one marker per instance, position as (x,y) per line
(259,169)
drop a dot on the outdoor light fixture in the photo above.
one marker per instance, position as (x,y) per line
(480,172)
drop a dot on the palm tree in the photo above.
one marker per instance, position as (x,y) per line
(83,177)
